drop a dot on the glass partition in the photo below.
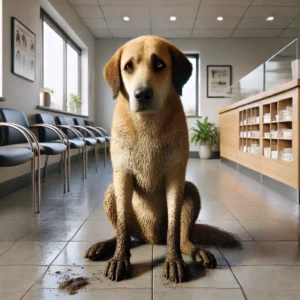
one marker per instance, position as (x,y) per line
(279,69)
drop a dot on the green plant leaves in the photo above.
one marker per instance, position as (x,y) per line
(204,132)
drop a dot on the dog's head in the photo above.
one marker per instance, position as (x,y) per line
(146,70)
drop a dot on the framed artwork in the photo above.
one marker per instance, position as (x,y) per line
(23,54)
(218,79)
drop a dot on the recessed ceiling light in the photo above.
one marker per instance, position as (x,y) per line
(220,18)
(173,18)
(126,19)
(270,18)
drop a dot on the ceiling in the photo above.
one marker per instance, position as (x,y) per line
(195,18)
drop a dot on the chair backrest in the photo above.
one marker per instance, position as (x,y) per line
(11,136)
(61,120)
(46,135)
(89,123)
(79,122)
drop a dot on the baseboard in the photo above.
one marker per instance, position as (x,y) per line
(277,186)
(195,154)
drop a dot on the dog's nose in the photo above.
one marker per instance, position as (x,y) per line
(144,94)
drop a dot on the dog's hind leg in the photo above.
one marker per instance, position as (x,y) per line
(189,213)
(102,249)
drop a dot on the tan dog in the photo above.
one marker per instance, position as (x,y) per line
(150,199)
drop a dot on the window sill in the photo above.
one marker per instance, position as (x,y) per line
(2,99)
(196,117)
(46,108)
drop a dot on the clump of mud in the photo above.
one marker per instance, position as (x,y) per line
(73,285)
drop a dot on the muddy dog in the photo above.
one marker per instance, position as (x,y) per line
(149,198)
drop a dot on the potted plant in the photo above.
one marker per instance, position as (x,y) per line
(75,103)
(205,134)
(45,96)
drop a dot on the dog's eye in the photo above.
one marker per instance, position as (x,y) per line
(159,65)
(129,67)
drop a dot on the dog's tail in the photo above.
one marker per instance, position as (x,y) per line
(207,235)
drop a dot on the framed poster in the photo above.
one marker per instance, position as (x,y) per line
(218,79)
(23,50)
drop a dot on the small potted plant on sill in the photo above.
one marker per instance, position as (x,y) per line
(205,134)
(45,96)
(75,103)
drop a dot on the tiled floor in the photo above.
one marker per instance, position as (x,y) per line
(37,252)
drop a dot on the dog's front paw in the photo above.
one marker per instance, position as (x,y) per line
(176,270)
(118,269)
(205,258)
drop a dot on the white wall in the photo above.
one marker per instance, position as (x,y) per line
(24,95)
(242,54)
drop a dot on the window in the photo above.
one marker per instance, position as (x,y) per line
(61,66)
(190,90)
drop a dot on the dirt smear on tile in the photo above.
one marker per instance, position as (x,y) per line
(72,285)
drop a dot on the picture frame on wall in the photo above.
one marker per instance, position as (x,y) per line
(219,78)
(23,63)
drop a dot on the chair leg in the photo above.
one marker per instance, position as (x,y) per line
(96,156)
(69,168)
(33,179)
(78,156)
(61,162)
(39,180)
(83,164)
(105,154)
(65,170)
(86,160)
(45,168)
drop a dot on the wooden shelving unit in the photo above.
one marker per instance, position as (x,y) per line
(234,145)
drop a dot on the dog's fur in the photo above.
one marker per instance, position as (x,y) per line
(150,199)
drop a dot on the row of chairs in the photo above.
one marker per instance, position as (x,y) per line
(21,142)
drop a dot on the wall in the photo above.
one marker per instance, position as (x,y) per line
(242,54)
(24,95)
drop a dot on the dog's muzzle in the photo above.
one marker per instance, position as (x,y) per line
(144,98)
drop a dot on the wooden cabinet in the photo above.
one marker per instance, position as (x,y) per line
(262,133)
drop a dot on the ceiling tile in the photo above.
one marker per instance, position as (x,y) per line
(130,11)
(88,11)
(212,33)
(181,23)
(213,23)
(174,2)
(276,11)
(94,22)
(84,2)
(101,32)
(129,33)
(262,23)
(224,11)
(124,2)
(276,2)
(133,23)
(178,11)
(225,2)
(293,33)
(172,33)
(295,23)
(256,33)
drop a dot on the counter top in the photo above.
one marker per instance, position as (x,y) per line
(274,91)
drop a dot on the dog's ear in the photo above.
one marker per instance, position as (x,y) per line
(112,73)
(181,69)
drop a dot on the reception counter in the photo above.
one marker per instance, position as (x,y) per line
(260,135)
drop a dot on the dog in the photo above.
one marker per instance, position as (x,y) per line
(149,199)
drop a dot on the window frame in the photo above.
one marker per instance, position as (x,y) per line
(67,41)
(197,57)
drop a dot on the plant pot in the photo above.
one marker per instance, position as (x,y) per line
(77,110)
(45,99)
(205,151)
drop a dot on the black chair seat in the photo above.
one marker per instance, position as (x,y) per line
(45,148)
(90,141)
(14,156)
(101,139)
(74,143)
(107,138)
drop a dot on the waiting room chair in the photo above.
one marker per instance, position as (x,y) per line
(76,140)
(101,139)
(13,138)
(13,156)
